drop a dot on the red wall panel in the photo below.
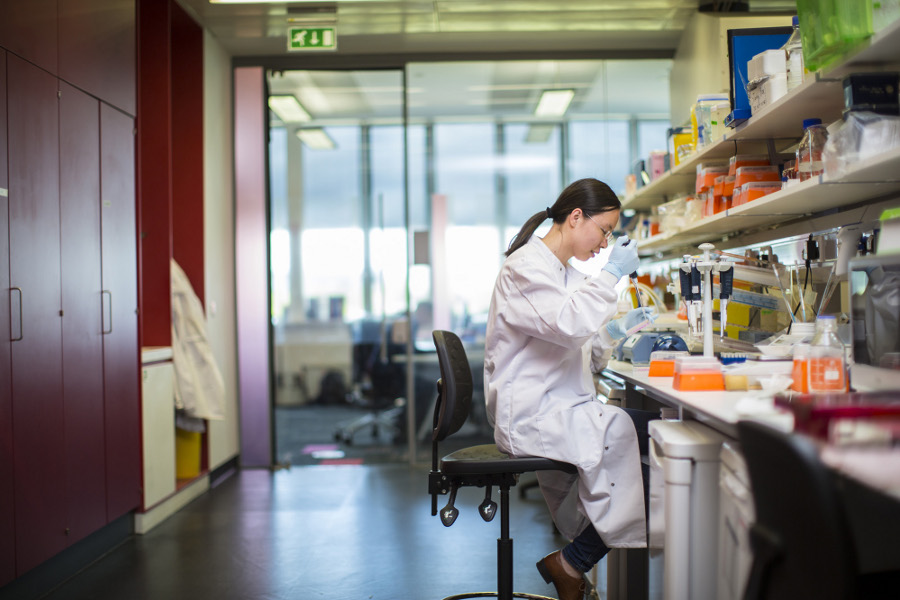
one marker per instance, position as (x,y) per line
(29,29)
(121,356)
(36,358)
(7,515)
(187,146)
(154,172)
(97,47)
(79,178)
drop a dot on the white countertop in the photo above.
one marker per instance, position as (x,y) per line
(720,410)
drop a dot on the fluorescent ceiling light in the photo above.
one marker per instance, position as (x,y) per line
(554,103)
(316,139)
(539,133)
(288,109)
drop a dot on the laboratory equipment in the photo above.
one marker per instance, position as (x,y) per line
(698,373)
(793,54)
(726,285)
(875,322)
(800,367)
(698,292)
(826,367)
(662,362)
(809,154)
(736,513)
(684,506)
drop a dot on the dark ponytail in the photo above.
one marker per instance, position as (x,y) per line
(590,195)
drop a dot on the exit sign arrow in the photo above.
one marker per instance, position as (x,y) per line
(312,38)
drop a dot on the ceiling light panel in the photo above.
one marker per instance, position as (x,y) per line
(288,109)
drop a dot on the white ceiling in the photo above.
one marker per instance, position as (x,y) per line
(572,34)
(429,26)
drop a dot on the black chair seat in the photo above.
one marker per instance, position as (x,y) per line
(486,459)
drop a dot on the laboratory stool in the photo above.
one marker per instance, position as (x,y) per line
(480,466)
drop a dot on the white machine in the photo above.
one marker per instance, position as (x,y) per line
(684,506)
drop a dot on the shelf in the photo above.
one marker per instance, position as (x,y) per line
(881,50)
(820,96)
(876,179)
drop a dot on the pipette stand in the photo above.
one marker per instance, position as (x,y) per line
(706,365)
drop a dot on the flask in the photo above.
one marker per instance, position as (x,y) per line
(793,54)
(809,154)
(826,369)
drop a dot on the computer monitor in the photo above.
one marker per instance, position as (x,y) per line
(875,315)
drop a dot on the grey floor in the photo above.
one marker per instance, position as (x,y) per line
(337,532)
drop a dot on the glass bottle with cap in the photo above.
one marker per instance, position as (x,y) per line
(809,154)
(827,368)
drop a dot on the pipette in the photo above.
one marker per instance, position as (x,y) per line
(687,296)
(726,281)
(697,304)
(637,292)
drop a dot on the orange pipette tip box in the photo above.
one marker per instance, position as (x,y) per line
(662,362)
(698,374)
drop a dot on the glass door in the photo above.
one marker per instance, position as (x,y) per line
(338,261)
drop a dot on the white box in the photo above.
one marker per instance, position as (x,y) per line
(767,92)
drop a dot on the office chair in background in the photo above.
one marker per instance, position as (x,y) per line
(801,540)
(379,383)
(479,466)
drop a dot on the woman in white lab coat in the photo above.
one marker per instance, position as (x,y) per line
(549,327)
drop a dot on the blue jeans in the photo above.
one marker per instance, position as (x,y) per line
(585,550)
(588,548)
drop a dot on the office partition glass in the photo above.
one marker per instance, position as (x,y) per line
(392,203)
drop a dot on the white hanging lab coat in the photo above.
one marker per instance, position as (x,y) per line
(199,387)
(546,333)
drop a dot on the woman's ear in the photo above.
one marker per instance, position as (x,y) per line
(575,217)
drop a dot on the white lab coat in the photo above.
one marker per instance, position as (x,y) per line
(199,387)
(546,333)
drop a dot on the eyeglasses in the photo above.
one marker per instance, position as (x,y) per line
(607,234)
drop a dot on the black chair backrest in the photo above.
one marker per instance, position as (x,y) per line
(801,540)
(455,385)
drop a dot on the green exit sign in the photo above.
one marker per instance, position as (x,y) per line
(312,38)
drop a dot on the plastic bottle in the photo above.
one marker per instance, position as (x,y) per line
(827,368)
(793,54)
(799,373)
(809,154)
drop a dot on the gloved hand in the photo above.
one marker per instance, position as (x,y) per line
(618,327)
(623,260)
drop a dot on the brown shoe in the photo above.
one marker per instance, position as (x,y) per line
(567,587)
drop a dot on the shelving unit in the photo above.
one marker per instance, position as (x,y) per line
(821,95)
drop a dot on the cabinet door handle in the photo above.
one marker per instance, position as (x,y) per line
(107,310)
(17,338)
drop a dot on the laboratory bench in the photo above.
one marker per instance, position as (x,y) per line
(871,488)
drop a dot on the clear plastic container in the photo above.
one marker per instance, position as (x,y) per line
(793,54)
(809,154)
(827,366)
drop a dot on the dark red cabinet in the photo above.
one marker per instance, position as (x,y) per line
(7,514)
(97,49)
(29,29)
(120,342)
(82,339)
(37,391)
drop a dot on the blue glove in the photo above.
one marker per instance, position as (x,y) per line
(623,260)
(618,327)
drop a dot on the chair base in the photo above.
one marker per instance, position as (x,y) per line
(494,595)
